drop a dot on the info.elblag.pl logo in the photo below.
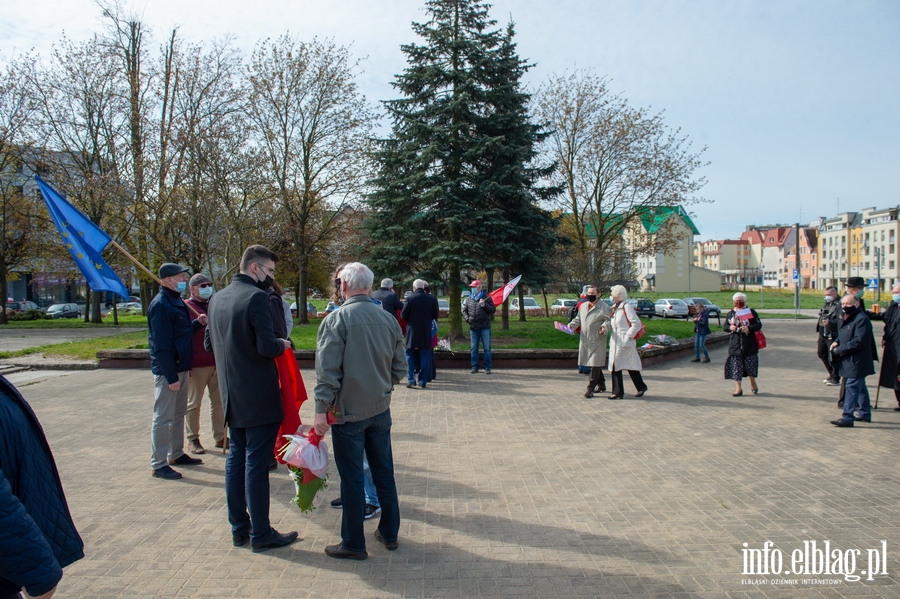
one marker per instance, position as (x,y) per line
(815,559)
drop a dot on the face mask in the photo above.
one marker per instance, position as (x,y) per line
(206,292)
(181,286)
(265,283)
(592,298)
(896,298)
(739,304)
(849,310)
(829,298)
(862,293)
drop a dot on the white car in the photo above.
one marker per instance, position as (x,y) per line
(670,307)
(562,306)
(532,308)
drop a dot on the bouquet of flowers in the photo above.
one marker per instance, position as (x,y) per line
(443,345)
(306,455)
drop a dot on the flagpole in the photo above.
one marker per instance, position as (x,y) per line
(113,243)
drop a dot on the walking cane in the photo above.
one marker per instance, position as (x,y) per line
(878,388)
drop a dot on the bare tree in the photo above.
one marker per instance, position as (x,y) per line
(16,210)
(314,127)
(616,162)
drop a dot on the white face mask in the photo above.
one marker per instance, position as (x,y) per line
(829,298)
(896,298)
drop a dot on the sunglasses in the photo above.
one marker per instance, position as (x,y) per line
(202,285)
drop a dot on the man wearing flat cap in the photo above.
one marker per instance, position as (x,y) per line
(203,374)
(171,332)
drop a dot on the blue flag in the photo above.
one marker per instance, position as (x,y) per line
(85,241)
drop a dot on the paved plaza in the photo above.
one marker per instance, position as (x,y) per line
(514,485)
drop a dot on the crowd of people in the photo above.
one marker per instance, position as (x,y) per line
(224,345)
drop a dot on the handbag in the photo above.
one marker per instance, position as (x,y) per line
(760,340)
(643,329)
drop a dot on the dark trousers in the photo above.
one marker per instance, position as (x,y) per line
(618,389)
(349,440)
(827,359)
(597,380)
(419,359)
(247,480)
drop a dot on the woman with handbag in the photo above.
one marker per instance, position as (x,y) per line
(591,318)
(625,327)
(743,349)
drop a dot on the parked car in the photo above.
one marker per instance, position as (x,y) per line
(532,308)
(714,310)
(20,306)
(643,307)
(562,306)
(675,308)
(443,308)
(310,310)
(64,311)
(129,307)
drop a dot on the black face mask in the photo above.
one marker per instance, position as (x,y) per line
(265,283)
(849,310)
(592,298)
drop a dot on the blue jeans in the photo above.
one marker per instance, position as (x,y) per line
(369,484)
(856,397)
(247,479)
(424,363)
(483,335)
(351,441)
(700,343)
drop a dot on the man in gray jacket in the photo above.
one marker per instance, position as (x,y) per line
(368,341)
(241,335)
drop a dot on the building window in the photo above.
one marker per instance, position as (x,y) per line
(867,266)
(891,264)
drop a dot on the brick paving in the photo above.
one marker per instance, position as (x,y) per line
(511,485)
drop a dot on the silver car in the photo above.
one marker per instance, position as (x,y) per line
(670,307)
(713,309)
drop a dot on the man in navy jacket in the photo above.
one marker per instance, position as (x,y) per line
(171,333)
(854,349)
(37,536)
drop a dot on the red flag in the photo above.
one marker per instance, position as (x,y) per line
(293,394)
(498,296)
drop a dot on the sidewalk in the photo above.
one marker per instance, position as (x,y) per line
(511,485)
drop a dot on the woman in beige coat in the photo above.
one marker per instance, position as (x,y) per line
(624,325)
(593,318)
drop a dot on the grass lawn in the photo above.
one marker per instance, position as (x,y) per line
(86,349)
(76,323)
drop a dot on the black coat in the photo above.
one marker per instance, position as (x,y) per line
(890,366)
(741,344)
(420,309)
(389,300)
(855,341)
(37,536)
(171,334)
(830,313)
(241,335)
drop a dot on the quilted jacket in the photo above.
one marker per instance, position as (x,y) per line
(37,535)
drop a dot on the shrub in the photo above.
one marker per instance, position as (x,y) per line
(28,315)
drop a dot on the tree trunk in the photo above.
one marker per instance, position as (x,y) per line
(302,286)
(96,314)
(504,309)
(455,332)
(3,296)
(521,290)
(87,305)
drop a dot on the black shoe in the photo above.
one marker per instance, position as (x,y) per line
(474,370)
(167,473)
(185,460)
(239,540)
(705,360)
(588,394)
(337,503)
(833,382)
(273,465)
(195,447)
(390,546)
(858,419)
(641,394)
(371,511)
(487,370)
(840,403)
(842,423)
(601,390)
(422,386)
(738,394)
(615,397)
(411,386)
(897,409)
(275,540)
(695,360)
(341,552)
(754,391)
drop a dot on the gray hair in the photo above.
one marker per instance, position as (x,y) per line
(854,299)
(419,284)
(740,296)
(358,277)
(618,291)
(387,283)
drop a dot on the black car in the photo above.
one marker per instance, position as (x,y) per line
(64,311)
(643,307)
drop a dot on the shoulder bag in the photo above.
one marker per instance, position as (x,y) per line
(643,329)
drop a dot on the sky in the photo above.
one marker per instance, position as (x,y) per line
(797,102)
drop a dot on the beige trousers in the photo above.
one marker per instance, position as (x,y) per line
(201,379)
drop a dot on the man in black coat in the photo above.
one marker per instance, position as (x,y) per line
(241,335)
(420,310)
(389,300)
(854,349)
(37,536)
(890,344)
(827,328)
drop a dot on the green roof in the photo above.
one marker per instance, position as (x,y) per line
(652,218)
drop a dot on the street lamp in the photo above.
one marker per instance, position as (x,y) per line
(762,285)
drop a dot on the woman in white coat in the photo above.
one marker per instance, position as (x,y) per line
(592,318)
(624,325)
